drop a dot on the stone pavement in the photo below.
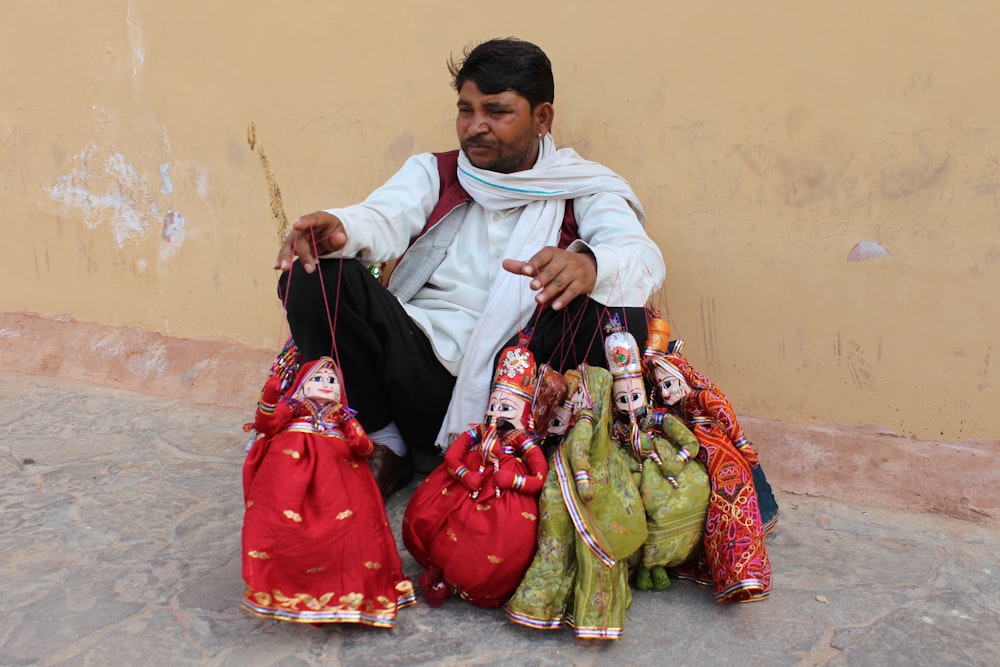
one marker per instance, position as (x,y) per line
(120,523)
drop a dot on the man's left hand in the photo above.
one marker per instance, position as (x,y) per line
(560,275)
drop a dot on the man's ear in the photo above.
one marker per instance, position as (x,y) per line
(544,113)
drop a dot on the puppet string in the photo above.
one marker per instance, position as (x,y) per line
(331,318)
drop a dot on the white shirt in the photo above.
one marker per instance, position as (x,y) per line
(629,265)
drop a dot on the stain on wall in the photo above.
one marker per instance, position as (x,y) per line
(277,206)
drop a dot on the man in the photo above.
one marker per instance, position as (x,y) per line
(505,234)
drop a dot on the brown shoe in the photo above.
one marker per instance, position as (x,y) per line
(391,471)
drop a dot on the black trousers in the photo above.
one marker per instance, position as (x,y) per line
(390,371)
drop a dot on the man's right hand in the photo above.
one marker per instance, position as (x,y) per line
(312,235)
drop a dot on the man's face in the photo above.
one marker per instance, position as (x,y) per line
(500,132)
(629,396)
(671,387)
(324,386)
(505,406)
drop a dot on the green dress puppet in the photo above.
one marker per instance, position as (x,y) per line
(591,520)
(673,484)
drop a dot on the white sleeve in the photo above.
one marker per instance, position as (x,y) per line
(629,264)
(382,226)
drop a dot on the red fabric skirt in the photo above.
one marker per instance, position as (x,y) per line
(483,545)
(317,546)
(735,561)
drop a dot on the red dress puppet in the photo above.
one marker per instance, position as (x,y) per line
(317,547)
(473,523)
(735,561)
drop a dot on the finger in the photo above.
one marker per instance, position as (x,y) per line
(545,264)
(560,294)
(304,249)
(518,267)
(552,282)
(283,262)
(305,231)
(569,276)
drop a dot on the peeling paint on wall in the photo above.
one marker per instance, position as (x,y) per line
(135,41)
(166,185)
(111,191)
(116,195)
(201,179)
(865,250)
(172,234)
(151,364)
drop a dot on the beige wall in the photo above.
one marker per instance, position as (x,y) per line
(148,151)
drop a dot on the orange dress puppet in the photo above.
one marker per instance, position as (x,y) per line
(735,560)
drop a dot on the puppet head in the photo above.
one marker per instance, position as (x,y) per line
(513,388)
(628,391)
(572,402)
(319,380)
(664,364)
(549,396)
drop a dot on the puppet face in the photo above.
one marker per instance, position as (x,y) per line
(580,398)
(629,395)
(322,386)
(506,406)
(672,387)
(561,419)
(564,413)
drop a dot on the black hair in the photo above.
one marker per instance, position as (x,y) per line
(506,64)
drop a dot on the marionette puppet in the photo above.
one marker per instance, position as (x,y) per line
(563,414)
(735,561)
(591,521)
(317,547)
(473,523)
(673,484)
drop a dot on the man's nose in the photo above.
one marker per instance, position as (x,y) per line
(478,124)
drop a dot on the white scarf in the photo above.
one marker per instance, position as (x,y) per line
(558,176)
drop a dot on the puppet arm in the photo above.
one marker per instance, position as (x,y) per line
(454,460)
(674,430)
(680,436)
(534,460)
(272,412)
(578,441)
(357,439)
(720,409)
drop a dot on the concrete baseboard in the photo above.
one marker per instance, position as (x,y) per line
(208,372)
(853,464)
